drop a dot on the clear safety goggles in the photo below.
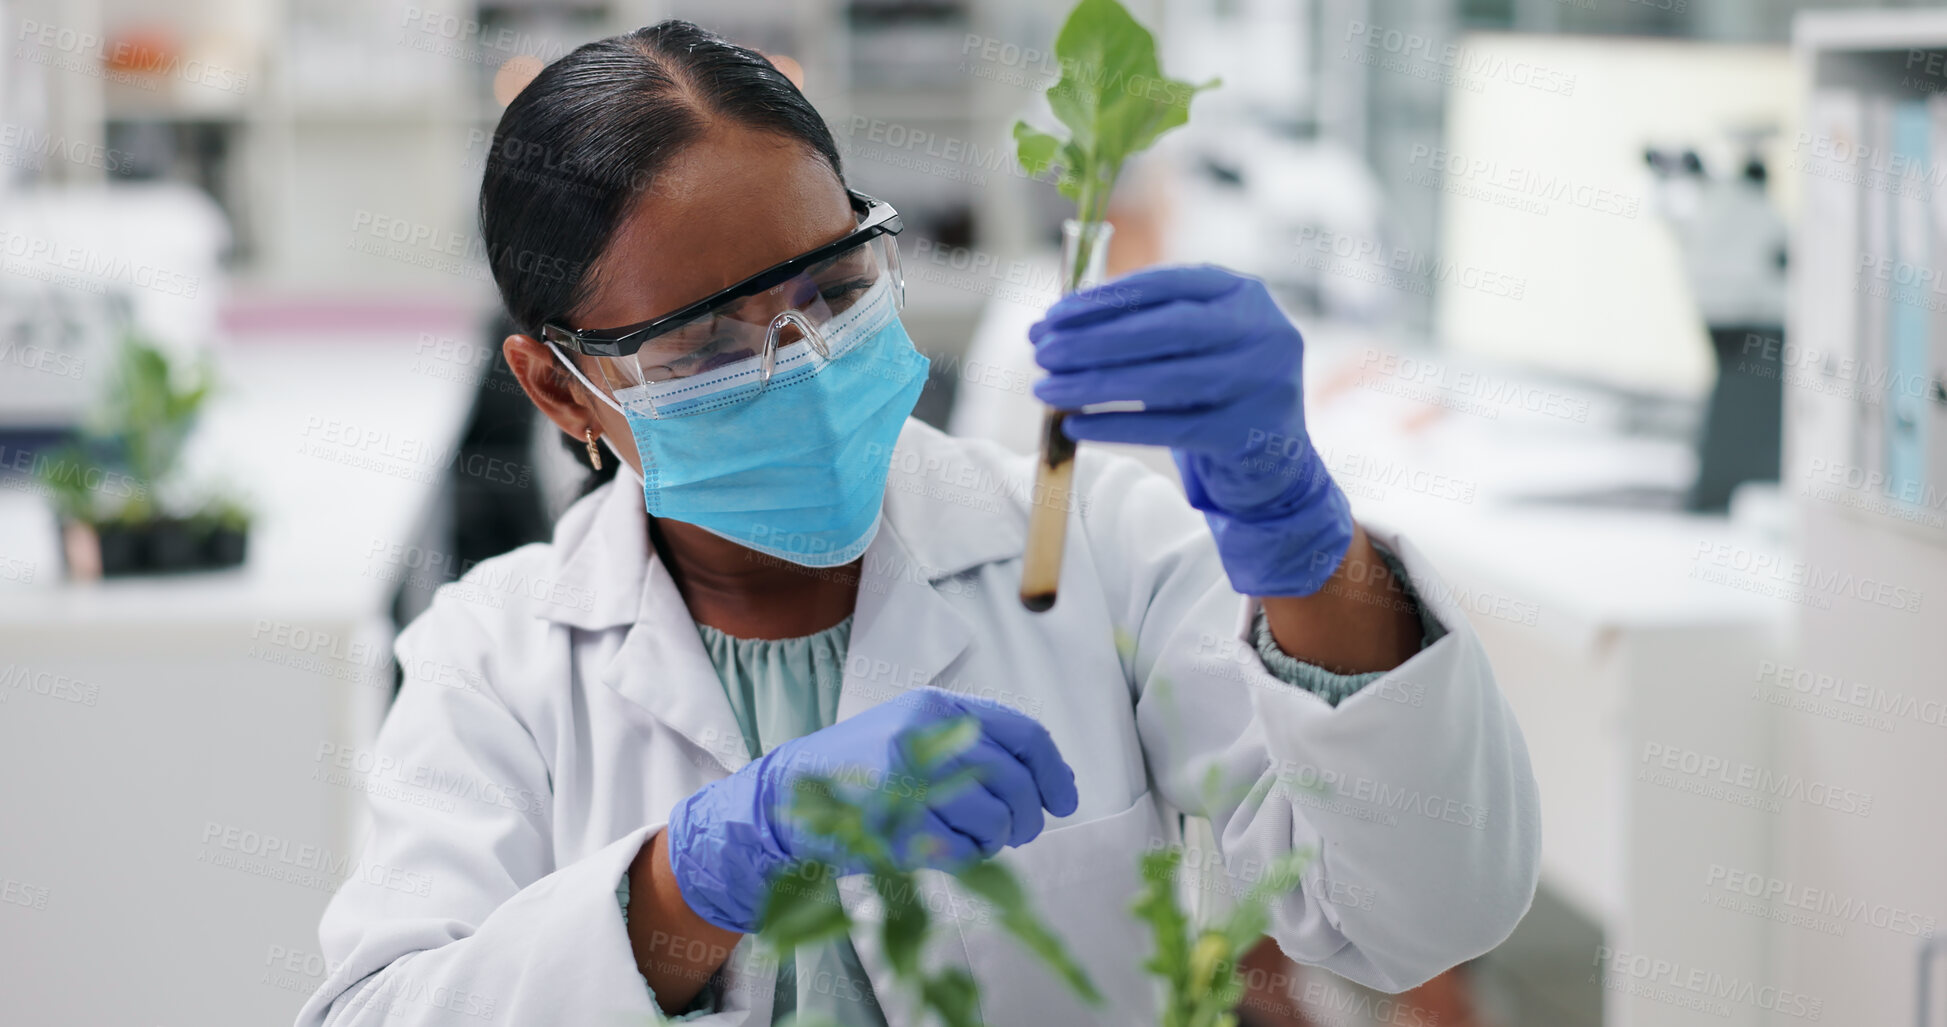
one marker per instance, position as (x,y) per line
(729,345)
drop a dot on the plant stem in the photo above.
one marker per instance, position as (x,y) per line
(1092,208)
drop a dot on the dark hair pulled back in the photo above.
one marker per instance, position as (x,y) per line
(592,132)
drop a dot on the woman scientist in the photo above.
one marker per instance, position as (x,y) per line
(588,757)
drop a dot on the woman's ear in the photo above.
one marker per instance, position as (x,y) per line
(552,389)
(564,400)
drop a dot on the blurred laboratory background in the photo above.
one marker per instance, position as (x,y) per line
(1628,312)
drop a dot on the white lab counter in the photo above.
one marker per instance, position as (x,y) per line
(1617,634)
(177,818)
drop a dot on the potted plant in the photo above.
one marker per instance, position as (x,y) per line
(116,487)
(228,520)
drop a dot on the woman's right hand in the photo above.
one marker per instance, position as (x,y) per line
(728,839)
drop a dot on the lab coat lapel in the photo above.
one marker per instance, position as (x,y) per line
(904,635)
(903,632)
(663,667)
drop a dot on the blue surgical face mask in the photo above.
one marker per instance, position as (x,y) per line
(799,470)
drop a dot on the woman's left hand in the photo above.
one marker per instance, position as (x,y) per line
(1216,366)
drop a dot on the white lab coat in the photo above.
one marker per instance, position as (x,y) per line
(558,702)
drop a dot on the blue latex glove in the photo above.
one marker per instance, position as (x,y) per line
(1216,365)
(727,840)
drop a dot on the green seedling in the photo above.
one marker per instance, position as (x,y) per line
(1114,100)
(1196,962)
(137,429)
(802,906)
(1198,966)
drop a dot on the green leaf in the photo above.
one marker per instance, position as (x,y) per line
(1074,165)
(802,908)
(903,932)
(1099,46)
(929,748)
(995,883)
(817,806)
(1034,148)
(1168,927)
(1113,97)
(954,995)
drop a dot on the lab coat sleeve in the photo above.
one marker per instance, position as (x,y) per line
(455,912)
(1414,796)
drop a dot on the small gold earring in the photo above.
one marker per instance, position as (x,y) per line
(594,451)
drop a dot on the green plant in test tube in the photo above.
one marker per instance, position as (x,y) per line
(1114,101)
